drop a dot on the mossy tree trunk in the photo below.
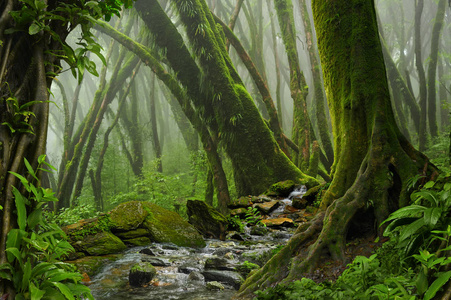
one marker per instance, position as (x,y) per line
(215,89)
(298,86)
(373,160)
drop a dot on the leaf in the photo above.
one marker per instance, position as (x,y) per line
(432,215)
(429,184)
(437,284)
(21,178)
(35,293)
(34,29)
(16,254)
(64,290)
(66,275)
(26,274)
(411,229)
(421,283)
(34,218)
(30,169)
(21,209)
(41,268)
(410,211)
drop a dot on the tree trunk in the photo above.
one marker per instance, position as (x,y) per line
(298,85)
(257,160)
(373,159)
(432,68)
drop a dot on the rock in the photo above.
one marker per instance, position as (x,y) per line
(242,202)
(259,230)
(139,241)
(156,262)
(279,222)
(127,216)
(91,265)
(233,235)
(228,277)
(240,212)
(188,269)
(299,202)
(246,267)
(147,251)
(311,193)
(214,286)
(101,243)
(168,227)
(267,207)
(139,232)
(206,219)
(219,263)
(281,189)
(229,255)
(196,276)
(141,274)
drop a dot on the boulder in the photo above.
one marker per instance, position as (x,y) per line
(206,219)
(141,274)
(132,234)
(228,277)
(91,265)
(281,189)
(127,216)
(240,212)
(101,243)
(156,262)
(299,202)
(139,241)
(267,207)
(196,276)
(165,226)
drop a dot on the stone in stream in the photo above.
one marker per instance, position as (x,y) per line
(148,251)
(279,222)
(196,276)
(206,219)
(219,263)
(267,207)
(231,278)
(156,262)
(141,274)
(101,243)
(127,216)
(281,189)
(214,286)
(242,202)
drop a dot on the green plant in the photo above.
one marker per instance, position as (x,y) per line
(36,246)
(253,216)
(235,223)
(71,215)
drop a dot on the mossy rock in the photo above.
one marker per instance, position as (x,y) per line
(86,227)
(141,274)
(101,243)
(206,219)
(140,232)
(165,226)
(242,202)
(139,241)
(281,189)
(91,265)
(127,216)
(240,212)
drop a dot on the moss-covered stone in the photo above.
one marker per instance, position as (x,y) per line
(281,189)
(244,201)
(139,241)
(240,212)
(165,226)
(139,232)
(206,219)
(141,274)
(127,216)
(101,243)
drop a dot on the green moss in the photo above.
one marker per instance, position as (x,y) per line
(127,216)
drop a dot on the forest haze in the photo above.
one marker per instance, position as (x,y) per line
(169,101)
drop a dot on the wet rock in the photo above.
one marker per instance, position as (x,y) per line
(169,247)
(206,219)
(267,207)
(231,278)
(219,263)
(127,216)
(92,264)
(299,202)
(246,267)
(233,235)
(214,286)
(229,255)
(141,274)
(168,227)
(279,222)
(101,243)
(188,269)
(196,276)
(259,230)
(242,202)
(148,251)
(221,251)
(156,262)
(288,209)
(281,189)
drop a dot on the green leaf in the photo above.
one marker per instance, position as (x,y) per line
(21,209)
(66,275)
(429,184)
(64,290)
(26,274)
(34,29)
(21,178)
(41,268)
(408,211)
(421,282)
(432,215)
(437,284)
(411,229)
(34,218)
(30,169)
(35,293)
(16,254)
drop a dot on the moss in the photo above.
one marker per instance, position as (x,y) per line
(91,265)
(168,226)
(127,216)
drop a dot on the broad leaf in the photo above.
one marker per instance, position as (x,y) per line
(21,209)
(437,284)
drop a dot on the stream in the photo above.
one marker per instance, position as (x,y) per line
(175,264)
